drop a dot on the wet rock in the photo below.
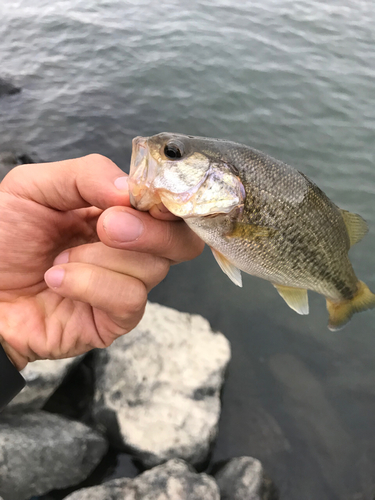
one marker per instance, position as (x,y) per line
(242,478)
(43,378)
(158,388)
(9,160)
(174,480)
(40,451)
(7,88)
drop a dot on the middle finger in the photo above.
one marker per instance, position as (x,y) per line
(148,268)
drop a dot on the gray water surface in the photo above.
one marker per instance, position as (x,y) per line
(295,79)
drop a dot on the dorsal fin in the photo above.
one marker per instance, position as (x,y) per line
(228,268)
(296,298)
(355,225)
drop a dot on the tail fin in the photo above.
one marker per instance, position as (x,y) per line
(341,312)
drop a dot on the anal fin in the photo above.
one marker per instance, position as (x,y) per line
(228,268)
(296,298)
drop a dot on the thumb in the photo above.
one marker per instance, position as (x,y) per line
(93,180)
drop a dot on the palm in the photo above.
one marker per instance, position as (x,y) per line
(31,236)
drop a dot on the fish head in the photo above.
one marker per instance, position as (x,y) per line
(185,174)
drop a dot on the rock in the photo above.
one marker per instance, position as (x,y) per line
(7,88)
(242,478)
(40,451)
(9,160)
(158,388)
(174,480)
(42,377)
(113,490)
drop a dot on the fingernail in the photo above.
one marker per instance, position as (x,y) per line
(122,227)
(63,258)
(122,183)
(54,277)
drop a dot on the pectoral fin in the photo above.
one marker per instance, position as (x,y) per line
(355,225)
(249,231)
(228,268)
(296,298)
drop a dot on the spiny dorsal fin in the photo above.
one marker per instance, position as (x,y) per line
(296,298)
(250,231)
(228,268)
(355,225)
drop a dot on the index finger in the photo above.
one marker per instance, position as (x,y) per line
(92,180)
(129,229)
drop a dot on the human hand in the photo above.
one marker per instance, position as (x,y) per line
(75,216)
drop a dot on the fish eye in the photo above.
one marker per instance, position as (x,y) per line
(174,151)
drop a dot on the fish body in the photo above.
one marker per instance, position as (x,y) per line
(258,215)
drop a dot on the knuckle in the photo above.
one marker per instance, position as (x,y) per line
(184,243)
(133,300)
(94,157)
(137,296)
(160,268)
(197,246)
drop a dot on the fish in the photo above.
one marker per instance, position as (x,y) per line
(258,215)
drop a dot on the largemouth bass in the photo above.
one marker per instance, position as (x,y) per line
(258,215)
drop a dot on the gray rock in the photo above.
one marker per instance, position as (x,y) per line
(9,160)
(43,378)
(158,388)
(40,451)
(174,480)
(117,489)
(7,88)
(242,478)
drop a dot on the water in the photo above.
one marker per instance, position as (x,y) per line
(292,78)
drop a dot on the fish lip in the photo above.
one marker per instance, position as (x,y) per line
(140,175)
(139,151)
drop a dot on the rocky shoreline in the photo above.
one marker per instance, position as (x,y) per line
(156,396)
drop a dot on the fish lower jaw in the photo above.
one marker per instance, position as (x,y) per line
(188,208)
(142,199)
